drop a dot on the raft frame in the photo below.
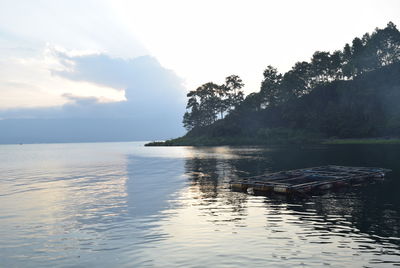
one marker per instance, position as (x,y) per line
(304,181)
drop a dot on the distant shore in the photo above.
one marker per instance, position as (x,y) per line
(203,141)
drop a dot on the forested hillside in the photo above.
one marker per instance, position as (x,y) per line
(349,93)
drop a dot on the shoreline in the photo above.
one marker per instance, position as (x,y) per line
(363,141)
(201,141)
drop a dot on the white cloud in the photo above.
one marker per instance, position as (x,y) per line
(146,87)
(28,82)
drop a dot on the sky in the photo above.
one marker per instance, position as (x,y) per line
(128,59)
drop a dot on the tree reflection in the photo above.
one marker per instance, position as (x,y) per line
(209,175)
(372,209)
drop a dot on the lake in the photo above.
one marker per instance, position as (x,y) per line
(126,205)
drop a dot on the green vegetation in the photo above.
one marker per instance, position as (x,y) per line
(353,93)
(281,136)
(362,141)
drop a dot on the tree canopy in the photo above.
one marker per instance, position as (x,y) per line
(334,93)
(365,54)
(210,100)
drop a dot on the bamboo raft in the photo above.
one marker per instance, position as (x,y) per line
(308,180)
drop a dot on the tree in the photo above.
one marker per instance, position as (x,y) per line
(201,106)
(270,94)
(209,102)
(320,67)
(357,54)
(233,91)
(387,42)
(302,78)
(335,70)
(347,67)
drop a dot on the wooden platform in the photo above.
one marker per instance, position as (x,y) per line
(307,180)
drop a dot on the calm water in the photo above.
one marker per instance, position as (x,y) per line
(125,205)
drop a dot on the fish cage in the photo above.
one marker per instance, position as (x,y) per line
(308,180)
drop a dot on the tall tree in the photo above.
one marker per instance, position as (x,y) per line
(357,54)
(270,93)
(233,91)
(320,64)
(387,42)
(347,67)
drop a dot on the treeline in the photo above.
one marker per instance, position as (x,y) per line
(371,52)
(353,92)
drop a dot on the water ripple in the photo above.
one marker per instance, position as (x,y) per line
(120,205)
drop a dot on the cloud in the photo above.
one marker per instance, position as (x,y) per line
(149,88)
(139,77)
(153,107)
(71,74)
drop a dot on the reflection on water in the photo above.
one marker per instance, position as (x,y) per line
(125,205)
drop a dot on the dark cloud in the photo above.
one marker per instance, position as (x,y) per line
(153,109)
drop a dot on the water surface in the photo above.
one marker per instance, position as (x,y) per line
(125,205)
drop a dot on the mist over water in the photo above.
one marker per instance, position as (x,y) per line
(125,205)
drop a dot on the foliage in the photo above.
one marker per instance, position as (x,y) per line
(278,136)
(365,54)
(210,100)
(349,93)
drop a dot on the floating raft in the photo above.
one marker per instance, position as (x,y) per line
(303,181)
